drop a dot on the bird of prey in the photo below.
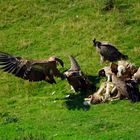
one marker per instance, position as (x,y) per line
(108,52)
(126,88)
(76,78)
(32,70)
(123,69)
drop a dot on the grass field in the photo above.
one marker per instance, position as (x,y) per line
(37,29)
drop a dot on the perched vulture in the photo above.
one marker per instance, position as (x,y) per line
(108,51)
(76,78)
(32,70)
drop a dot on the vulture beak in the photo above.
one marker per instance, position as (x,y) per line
(59,61)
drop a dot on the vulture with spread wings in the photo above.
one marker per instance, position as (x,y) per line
(76,78)
(108,51)
(32,70)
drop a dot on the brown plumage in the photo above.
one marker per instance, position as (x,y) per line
(126,88)
(108,51)
(125,70)
(121,76)
(32,70)
(76,78)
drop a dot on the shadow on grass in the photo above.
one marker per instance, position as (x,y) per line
(75,100)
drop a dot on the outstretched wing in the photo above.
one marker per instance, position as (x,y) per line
(26,69)
(15,65)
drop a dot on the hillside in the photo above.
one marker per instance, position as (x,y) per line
(37,29)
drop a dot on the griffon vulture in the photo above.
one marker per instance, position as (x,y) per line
(76,78)
(32,70)
(126,88)
(121,76)
(124,69)
(108,51)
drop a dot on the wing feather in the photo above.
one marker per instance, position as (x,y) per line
(32,70)
(14,65)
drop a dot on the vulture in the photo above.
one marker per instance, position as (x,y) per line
(126,87)
(108,52)
(123,69)
(32,70)
(123,77)
(76,78)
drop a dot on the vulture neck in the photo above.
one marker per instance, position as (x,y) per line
(74,64)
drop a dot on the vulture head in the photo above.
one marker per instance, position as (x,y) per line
(101,73)
(96,43)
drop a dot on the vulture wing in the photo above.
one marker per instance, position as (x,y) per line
(74,64)
(28,69)
(76,78)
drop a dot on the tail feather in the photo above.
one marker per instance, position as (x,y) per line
(4,55)
(8,67)
(4,63)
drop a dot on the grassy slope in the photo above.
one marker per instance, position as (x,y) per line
(41,28)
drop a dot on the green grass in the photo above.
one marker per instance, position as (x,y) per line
(37,29)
